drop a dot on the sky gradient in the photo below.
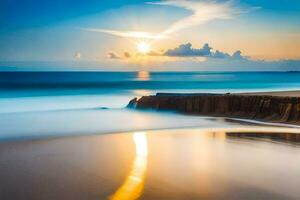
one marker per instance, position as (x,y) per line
(178,35)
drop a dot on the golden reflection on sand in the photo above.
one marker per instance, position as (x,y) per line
(133,185)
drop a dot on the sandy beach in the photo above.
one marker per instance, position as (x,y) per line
(168,164)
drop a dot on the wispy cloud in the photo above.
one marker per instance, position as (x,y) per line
(127,34)
(202,11)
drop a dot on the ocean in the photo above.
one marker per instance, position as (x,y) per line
(57,83)
(42,104)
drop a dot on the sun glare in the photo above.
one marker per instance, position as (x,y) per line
(133,186)
(143,47)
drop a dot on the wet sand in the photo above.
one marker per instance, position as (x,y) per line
(166,164)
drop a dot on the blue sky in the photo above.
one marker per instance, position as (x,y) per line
(109,35)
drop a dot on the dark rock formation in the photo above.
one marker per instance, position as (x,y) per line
(286,137)
(258,107)
(132,103)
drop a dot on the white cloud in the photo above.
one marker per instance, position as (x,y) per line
(127,34)
(202,11)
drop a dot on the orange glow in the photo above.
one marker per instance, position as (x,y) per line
(143,76)
(133,186)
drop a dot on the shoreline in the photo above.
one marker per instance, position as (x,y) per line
(158,121)
(253,127)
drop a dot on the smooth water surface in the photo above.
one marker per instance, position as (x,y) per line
(58,83)
(167,164)
(42,104)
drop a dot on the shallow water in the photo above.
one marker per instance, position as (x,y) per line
(40,117)
(166,164)
(43,104)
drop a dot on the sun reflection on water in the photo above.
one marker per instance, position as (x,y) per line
(133,185)
(143,76)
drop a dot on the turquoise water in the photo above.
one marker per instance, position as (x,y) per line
(38,104)
(58,83)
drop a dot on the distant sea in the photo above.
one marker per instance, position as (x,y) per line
(37,104)
(53,83)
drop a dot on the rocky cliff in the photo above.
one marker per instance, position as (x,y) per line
(258,107)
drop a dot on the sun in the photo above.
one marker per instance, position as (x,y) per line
(143,47)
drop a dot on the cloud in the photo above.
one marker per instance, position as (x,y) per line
(186,50)
(237,55)
(112,55)
(128,34)
(127,55)
(220,54)
(202,11)
(77,55)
